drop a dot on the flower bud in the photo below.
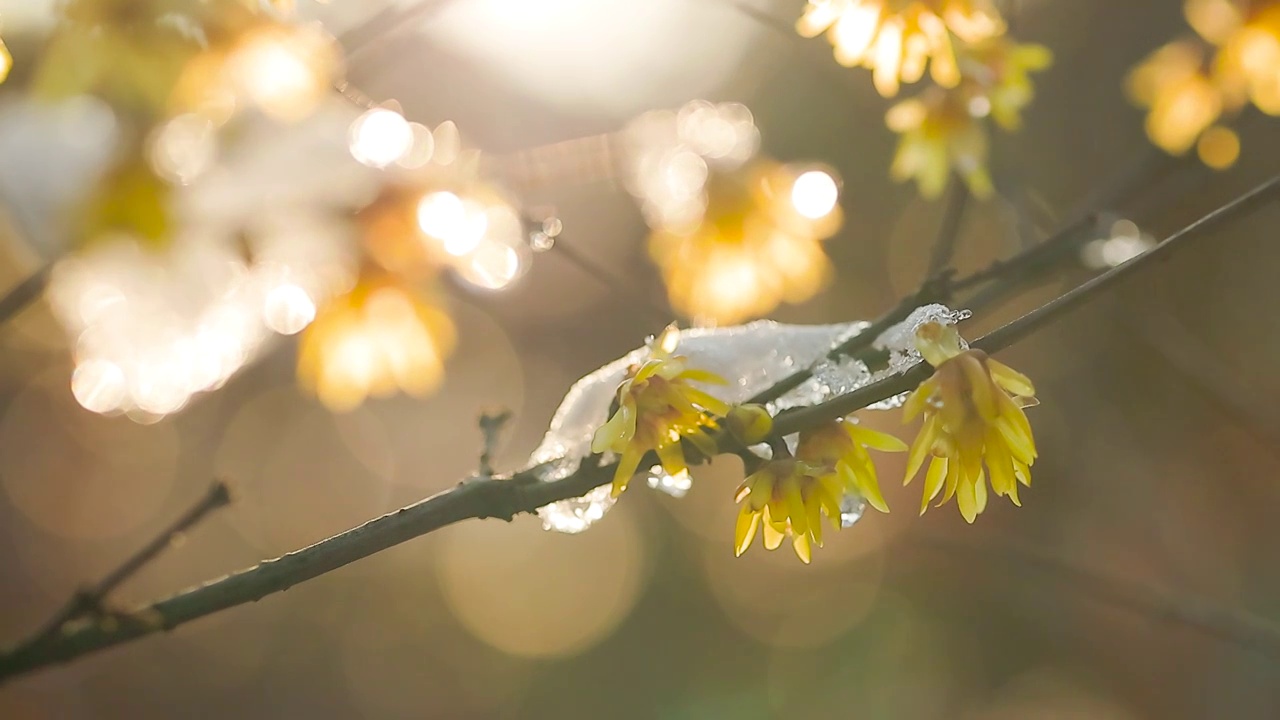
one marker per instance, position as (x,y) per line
(749,423)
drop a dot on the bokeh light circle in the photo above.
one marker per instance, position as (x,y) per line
(532,593)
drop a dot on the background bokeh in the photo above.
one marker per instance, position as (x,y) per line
(1159,427)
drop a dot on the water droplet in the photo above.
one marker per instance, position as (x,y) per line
(540,241)
(851,508)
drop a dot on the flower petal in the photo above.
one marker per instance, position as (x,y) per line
(745,532)
(1010,379)
(702,376)
(967,501)
(918,400)
(933,482)
(627,465)
(875,439)
(672,458)
(619,429)
(795,507)
(921,447)
(982,390)
(803,549)
(868,485)
(707,401)
(813,506)
(772,535)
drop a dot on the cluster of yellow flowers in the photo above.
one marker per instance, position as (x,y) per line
(974,428)
(978,71)
(896,39)
(1190,85)
(178,71)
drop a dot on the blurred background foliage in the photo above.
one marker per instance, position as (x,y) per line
(1158,424)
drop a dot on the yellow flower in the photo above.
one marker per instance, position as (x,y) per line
(939,134)
(757,244)
(1188,86)
(998,74)
(840,448)
(379,337)
(656,409)
(1248,62)
(1182,98)
(787,497)
(896,39)
(972,415)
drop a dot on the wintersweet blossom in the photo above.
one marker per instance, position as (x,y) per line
(972,408)
(944,130)
(896,39)
(758,243)
(787,497)
(657,408)
(840,448)
(1190,85)
(997,76)
(939,135)
(379,337)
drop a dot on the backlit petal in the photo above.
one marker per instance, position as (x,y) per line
(748,522)
(627,465)
(795,507)
(875,439)
(702,376)
(803,550)
(1010,379)
(933,482)
(921,447)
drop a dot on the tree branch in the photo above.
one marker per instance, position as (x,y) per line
(24,293)
(525,491)
(1000,278)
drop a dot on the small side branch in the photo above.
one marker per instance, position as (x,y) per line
(91,603)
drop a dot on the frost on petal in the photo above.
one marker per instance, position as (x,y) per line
(751,357)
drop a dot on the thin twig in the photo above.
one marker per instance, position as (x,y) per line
(526,491)
(24,293)
(491,425)
(944,247)
(91,601)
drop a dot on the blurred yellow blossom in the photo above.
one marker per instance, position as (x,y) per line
(939,135)
(997,76)
(130,200)
(1183,100)
(972,408)
(896,39)
(840,448)
(757,244)
(379,337)
(1248,61)
(943,130)
(6,61)
(657,408)
(1189,86)
(787,497)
